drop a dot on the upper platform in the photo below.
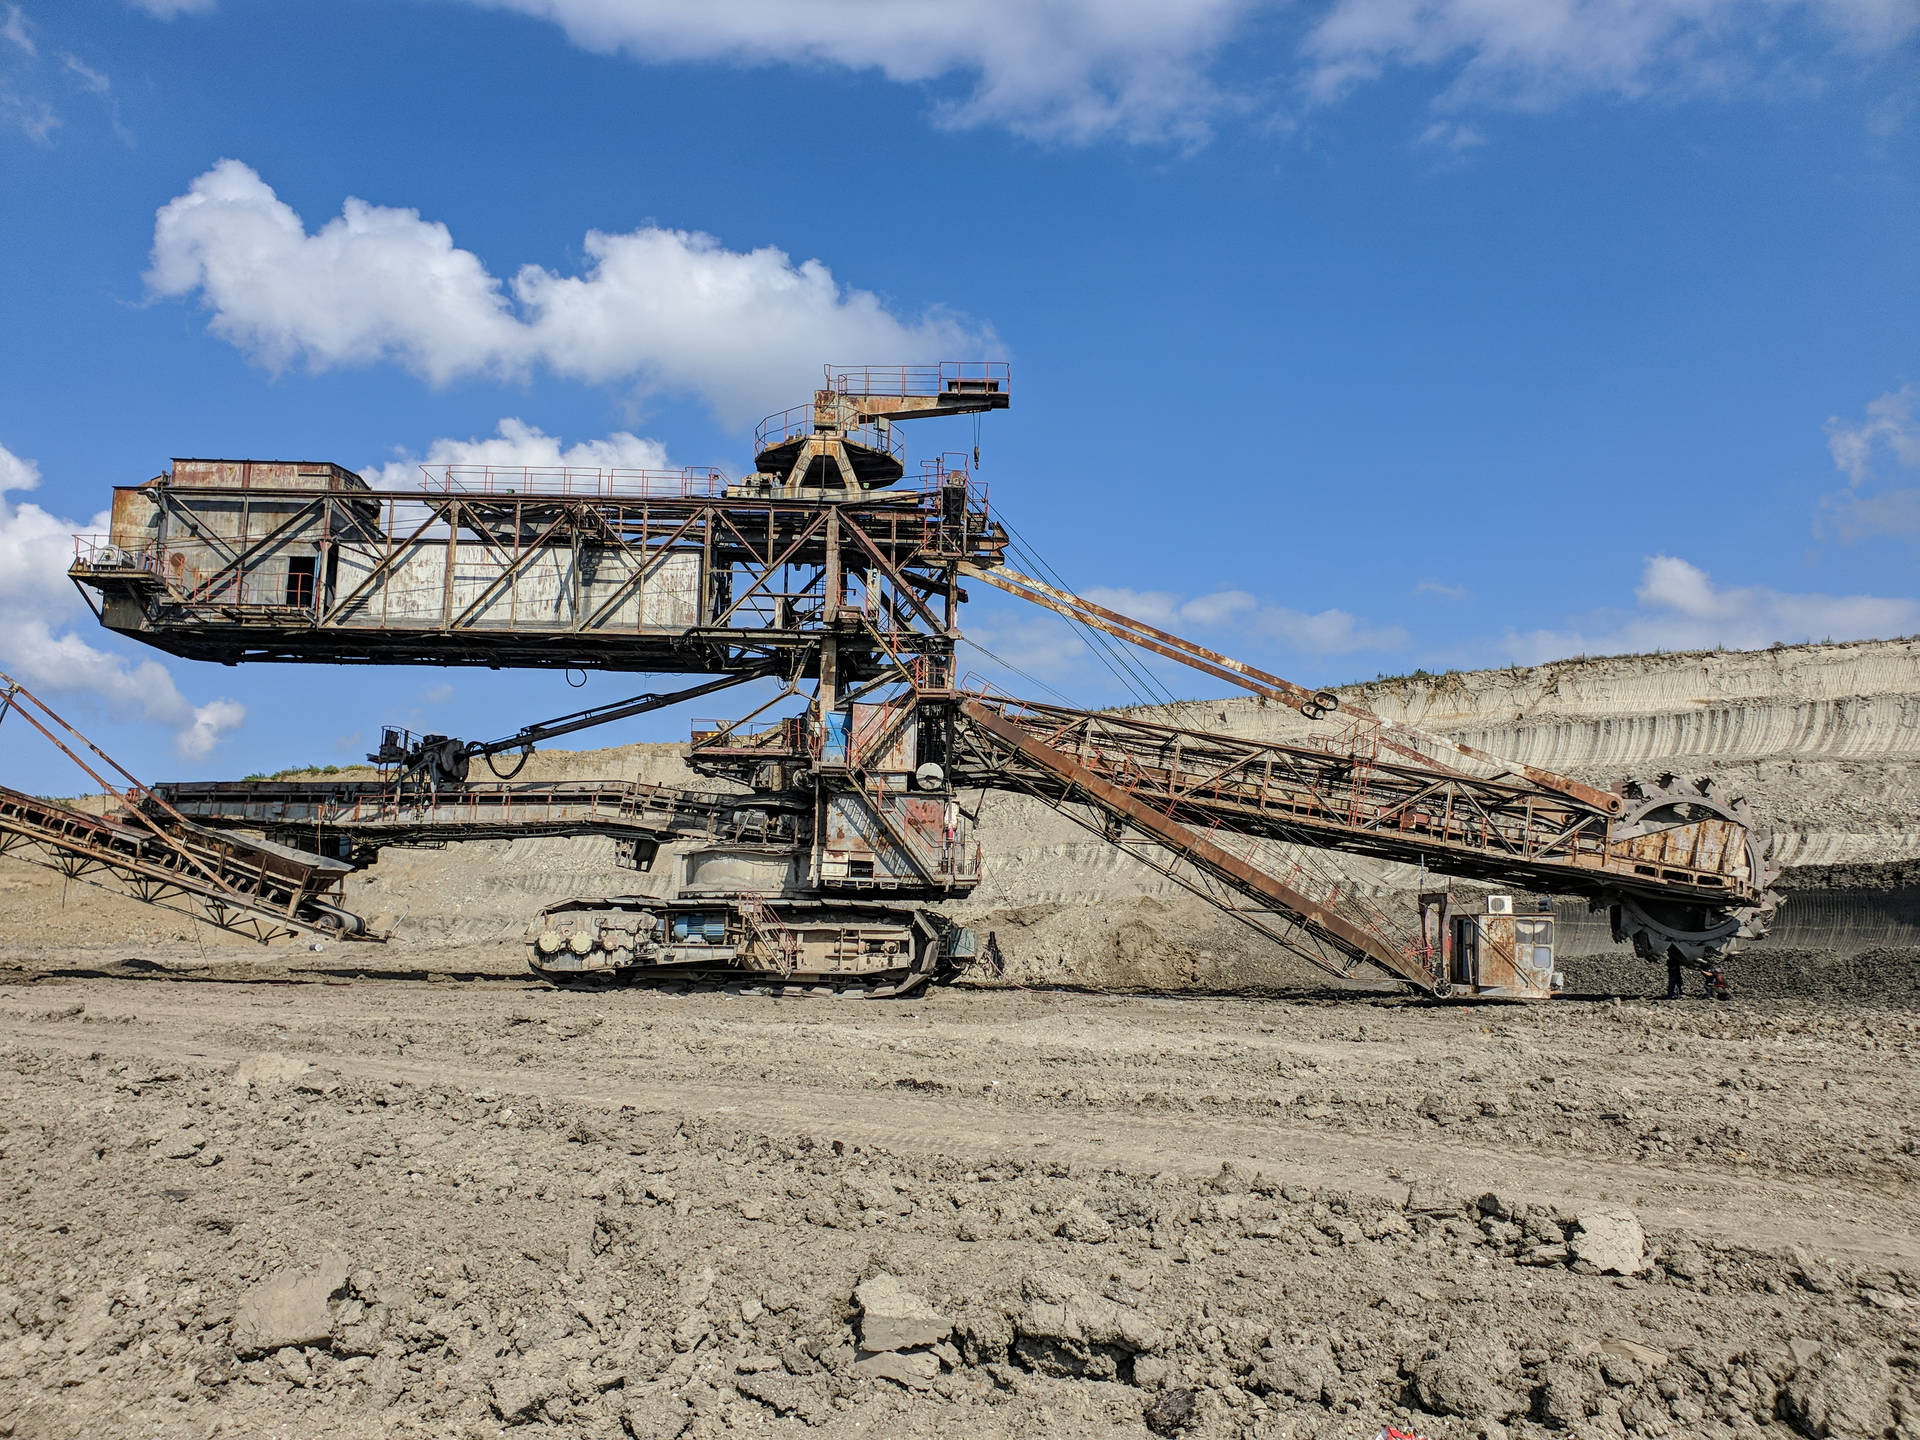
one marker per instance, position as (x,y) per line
(844,440)
(676,573)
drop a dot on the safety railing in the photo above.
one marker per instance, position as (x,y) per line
(180,570)
(949,377)
(784,736)
(799,421)
(945,849)
(693,482)
(96,552)
(950,514)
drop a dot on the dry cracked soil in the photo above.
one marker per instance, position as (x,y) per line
(265,1196)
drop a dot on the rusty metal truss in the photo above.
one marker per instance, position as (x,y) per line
(1187,802)
(154,854)
(1347,798)
(539,570)
(319,815)
(1333,930)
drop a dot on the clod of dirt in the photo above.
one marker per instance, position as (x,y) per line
(268,1070)
(1468,1377)
(915,1369)
(1080,1223)
(1611,1241)
(1173,1411)
(1838,1394)
(289,1309)
(1068,1330)
(1301,1372)
(892,1318)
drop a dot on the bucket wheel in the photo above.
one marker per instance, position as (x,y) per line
(1696,933)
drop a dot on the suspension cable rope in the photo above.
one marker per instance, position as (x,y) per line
(1009,665)
(1133,676)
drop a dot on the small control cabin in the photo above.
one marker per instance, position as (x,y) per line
(1505,952)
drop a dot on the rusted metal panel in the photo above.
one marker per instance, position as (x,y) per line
(264,475)
(135,518)
(480,587)
(886,737)
(1712,845)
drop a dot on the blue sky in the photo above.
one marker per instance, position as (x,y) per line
(1349,336)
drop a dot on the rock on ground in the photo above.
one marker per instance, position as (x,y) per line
(289,1309)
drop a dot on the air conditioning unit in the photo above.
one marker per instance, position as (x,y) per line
(1499,904)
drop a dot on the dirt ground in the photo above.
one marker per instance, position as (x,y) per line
(253,1194)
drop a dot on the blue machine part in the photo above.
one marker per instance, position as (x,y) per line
(834,745)
(710,928)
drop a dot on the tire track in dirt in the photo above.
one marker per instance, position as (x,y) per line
(1772,1211)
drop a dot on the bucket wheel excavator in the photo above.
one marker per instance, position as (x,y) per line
(823,861)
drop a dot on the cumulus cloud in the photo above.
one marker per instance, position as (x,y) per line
(1322,632)
(39,611)
(1157,71)
(516,445)
(663,309)
(1890,430)
(1868,452)
(1068,70)
(1149,70)
(1679,607)
(1534,53)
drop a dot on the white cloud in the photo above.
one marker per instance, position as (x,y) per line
(1036,647)
(1152,71)
(517,445)
(209,727)
(1069,70)
(1442,592)
(664,309)
(1866,451)
(1147,70)
(39,609)
(14,31)
(27,82)
(1534,53)
(1680,608)
(17,474)
(1453,135)
(1323,632)
(85,75)
(1892,426)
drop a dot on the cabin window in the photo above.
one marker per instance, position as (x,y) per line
(300,582)
(1533,944)
(1465,969)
